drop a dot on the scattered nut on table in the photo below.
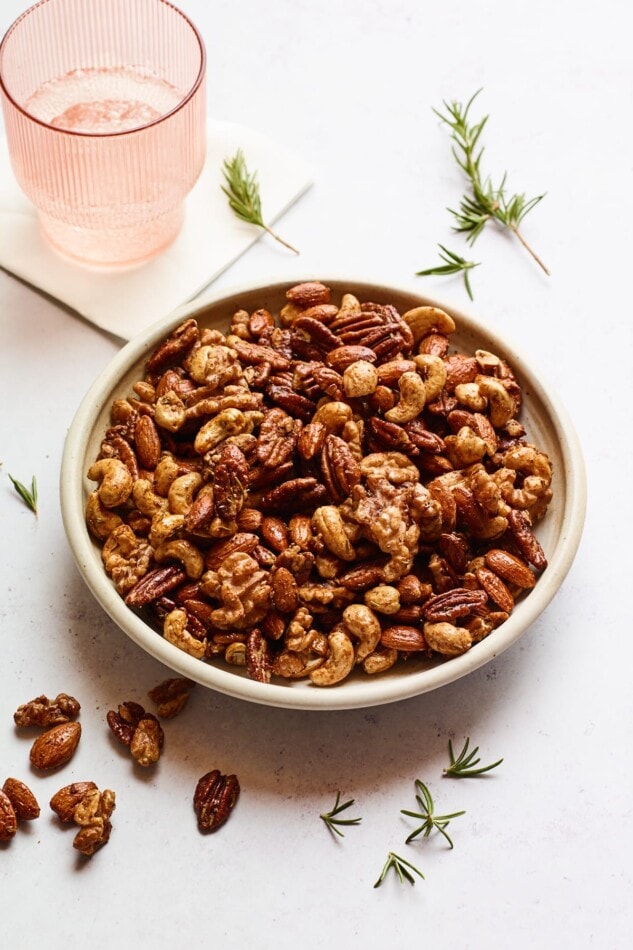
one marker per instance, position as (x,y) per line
(91,809)
(214,798)
(139,730)
(22,798)
(261,482)
(56,746)
(46,712)
(171,696)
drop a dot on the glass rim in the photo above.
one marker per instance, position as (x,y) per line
(122,132)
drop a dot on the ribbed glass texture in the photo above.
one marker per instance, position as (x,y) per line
(104,107)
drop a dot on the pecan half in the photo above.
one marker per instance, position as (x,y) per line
(453,604)
(174,348)
(525,539)
(230,478)
(258,657)
(155,584)
(341,471)
(277,438)
(214,798)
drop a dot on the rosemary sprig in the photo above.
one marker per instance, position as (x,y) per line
(332,821)
(453,264)
(28,497)
(242,190)
(430,820)
(485,202)
(464,765)
(401,867)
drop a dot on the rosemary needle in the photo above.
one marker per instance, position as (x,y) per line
(242,190)
(332,820)
(401,867)
(485,202)
(465,764)
(427,813)
(29,497)
(453,264)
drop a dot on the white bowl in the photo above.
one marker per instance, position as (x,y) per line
(545,420)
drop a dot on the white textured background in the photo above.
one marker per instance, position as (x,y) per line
(542,857)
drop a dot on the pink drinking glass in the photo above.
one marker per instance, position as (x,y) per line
(104,108)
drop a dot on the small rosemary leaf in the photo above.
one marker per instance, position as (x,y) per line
(454,264)
(401,867)
(484,202)
(464,765)
(28,497)
(242,190)
(331,819)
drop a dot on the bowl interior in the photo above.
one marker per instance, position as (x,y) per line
(546,423)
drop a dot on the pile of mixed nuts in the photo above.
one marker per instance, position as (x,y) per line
(325,489)
(82,802)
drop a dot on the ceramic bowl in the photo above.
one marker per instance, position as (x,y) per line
(543,416)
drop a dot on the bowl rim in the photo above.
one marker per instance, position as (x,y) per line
(375,691)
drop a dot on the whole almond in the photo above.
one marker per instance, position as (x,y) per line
(56,746)
(64,802)
(510,568)
(403,637)
(8,819)
(22,798)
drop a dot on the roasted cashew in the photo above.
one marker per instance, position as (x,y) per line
(227,422)
(350,306)
(361,623)
(380,660)
(183,551)
(383,598)
(115,481)
(469,395)
(146,499)
(169,412)
(423,320)
(412,399)
(100,520)
(182,491)
(432,369)
(164,527)
(328,523)
(447,639)
(165,473)
(489,363)
(175,632)
(501,404)
(295,666)
(339,663)
(360,379)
